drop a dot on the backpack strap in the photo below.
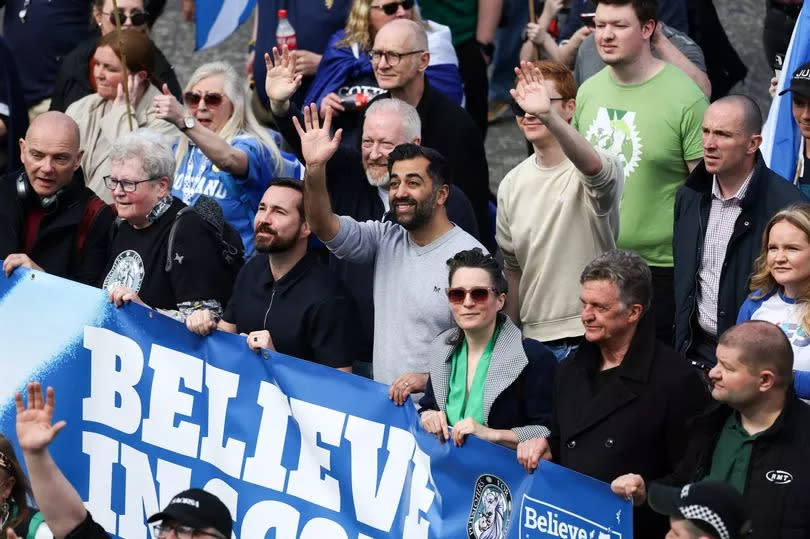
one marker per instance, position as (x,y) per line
(173,235)
(91,210)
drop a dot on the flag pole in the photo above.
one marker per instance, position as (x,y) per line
(118,30)
(532,18)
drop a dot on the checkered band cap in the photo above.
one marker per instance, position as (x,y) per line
(705,514)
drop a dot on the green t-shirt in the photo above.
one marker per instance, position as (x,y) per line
(732,454)
(654,127)
(460,15)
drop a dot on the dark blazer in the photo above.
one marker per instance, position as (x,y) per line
(779,506)
(55,248)
(635,424)
(767,193)
(73,78)
(517,391)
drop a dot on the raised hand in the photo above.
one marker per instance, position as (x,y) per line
(166,107)
(34,429)
(136,85)
(317,143)
(281,81)
(531,92)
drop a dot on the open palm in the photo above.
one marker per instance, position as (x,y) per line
(531,92)
(317,143)
(34,428)
(281,81)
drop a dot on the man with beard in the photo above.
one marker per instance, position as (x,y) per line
(649,113)
(409,255)
(287,301)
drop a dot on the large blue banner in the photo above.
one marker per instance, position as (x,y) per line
(294,449)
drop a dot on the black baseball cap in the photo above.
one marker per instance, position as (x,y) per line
(800,82)
(198,509)
(713,506)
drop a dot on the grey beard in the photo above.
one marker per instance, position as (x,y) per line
(378,182)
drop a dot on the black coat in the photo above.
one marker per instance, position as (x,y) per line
(767,193)
(55,248)
(635,424)
(16,119)
(779,505)
(73,78)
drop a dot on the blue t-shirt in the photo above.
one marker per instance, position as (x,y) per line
(239,196)
(787,314)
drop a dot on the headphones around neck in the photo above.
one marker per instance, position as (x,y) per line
(27,194)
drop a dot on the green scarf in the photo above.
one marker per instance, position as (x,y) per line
(461,404)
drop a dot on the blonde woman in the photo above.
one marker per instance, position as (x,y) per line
(345,80)
(225,153)
(780,286)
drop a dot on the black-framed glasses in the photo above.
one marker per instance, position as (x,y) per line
(389,8)
(391,57)
(137,18)
(192,99)
(183,532)
(517,110)
(129,186)
(479,294)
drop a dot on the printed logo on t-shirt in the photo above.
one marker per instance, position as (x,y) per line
(615,131)
(127,271)
(795,334)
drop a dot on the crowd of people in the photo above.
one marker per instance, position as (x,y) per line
(632,302)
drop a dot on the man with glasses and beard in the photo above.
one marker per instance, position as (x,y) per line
(409,254)
(287,301)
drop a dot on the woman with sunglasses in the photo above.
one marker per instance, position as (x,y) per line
(75,77)
(103,116)
(485,380)
(780,286)
(225,153)
(15,492)
(345,82)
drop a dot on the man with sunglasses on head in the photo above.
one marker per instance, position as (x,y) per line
(409,254)
(49,220)
(191,514)
(534,227)
(74,79)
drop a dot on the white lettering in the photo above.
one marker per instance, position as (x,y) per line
(373,506)
(529,518)
(264,467)
(305,481)
(222,386)
(421,498)
(271,515)
(103,453)
(166,400)
(108,382)
(140,497)
(318,528)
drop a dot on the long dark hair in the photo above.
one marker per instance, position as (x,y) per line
(475,258)
(21,490)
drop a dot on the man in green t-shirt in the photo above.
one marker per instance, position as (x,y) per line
(649,113)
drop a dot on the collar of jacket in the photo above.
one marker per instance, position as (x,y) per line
(701,181)
(296,273)
(637,362)
(715,416)
(507,362)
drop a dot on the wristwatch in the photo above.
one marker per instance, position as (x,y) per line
(188,123)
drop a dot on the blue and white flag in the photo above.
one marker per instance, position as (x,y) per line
(218,19)
(780,136)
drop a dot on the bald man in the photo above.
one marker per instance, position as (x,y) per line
(755,438)
(399,58)
(49,220)
(720,214)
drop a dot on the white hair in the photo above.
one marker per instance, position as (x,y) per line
(150,147)
(411,123)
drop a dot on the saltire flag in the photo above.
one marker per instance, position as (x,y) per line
(781,136)
(218,19)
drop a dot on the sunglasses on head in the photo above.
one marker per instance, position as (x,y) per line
(391,7)
(137,18)
(192,99)
(479,294)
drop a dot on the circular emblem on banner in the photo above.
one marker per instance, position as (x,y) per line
(491,509)
(126,271)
